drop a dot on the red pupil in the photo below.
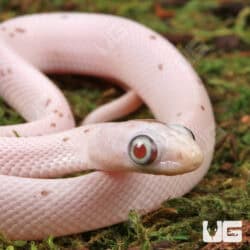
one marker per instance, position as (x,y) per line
(140,150)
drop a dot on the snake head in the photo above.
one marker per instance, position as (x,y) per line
(144,146)
(164,149)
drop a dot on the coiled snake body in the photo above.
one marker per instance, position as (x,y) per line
(125,155)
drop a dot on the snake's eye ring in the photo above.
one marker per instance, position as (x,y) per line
(142,150)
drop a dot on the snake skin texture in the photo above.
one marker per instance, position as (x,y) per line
(32,204)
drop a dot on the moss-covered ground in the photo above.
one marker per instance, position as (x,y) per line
(215,37)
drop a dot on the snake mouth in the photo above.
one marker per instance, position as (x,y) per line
(167,168)
(170,168)
(175,168)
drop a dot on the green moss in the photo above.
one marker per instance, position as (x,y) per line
(224,191)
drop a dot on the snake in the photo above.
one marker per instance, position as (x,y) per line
(132,164)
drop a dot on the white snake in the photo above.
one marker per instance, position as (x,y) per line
(34,206)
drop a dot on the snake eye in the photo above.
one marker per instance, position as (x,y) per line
(142,150)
